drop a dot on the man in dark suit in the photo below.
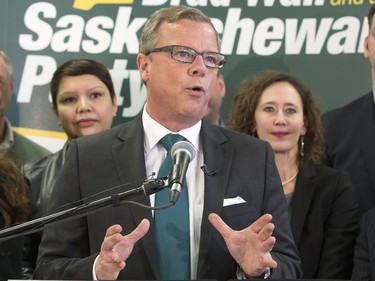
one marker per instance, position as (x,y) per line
(351,133)
(17,147)
(238,219)
(20,149)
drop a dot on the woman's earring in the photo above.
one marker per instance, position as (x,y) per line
(302,152)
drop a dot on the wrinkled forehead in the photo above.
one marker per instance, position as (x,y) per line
(189,33)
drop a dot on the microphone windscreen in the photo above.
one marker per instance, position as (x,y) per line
(183,145)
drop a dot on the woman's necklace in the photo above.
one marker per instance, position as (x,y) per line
(290,179)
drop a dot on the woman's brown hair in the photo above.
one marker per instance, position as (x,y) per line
(15,202)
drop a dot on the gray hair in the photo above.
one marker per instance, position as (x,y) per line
(150,35)
(9,64)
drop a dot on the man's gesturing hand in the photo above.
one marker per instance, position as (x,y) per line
(251,246)
(116,248)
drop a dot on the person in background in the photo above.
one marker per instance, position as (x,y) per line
(84,102)
(213,114)
(350,131)
(237,223)
(15,207)
(323,209)
(12,144)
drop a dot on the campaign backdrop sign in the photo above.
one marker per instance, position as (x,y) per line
(320,41)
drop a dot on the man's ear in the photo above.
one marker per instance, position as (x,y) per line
(222,85)
(12,86)
(143,63)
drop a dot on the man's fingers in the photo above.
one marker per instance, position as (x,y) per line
(268,244)
(112,237)
(116,249)
(260,223)
(265,235)
(113,229)
(140,231)
(124,247)
(262,226)
(266,232)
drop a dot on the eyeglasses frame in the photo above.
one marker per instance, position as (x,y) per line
(169,48)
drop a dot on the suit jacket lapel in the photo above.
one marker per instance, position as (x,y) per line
(301,200)
(367,135)
(218,158)
(131,147)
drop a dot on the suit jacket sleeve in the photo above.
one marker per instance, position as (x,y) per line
(364,252)
(97,167)
(72,235)
(284,251)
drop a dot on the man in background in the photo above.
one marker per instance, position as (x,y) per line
(12,144)
(350,146)
(214,105)
(351,133)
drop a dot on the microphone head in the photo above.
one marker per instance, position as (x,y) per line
(183,145)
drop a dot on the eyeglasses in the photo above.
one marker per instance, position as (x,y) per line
(187,55)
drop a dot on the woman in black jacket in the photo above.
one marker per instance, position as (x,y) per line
(322,202)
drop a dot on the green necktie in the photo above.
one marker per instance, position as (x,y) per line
(172,224)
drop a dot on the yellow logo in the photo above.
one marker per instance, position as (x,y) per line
(87,5)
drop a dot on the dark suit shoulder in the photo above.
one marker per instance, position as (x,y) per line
(24,150)
(21,141)
(111,136)
(343,125)
(346,111)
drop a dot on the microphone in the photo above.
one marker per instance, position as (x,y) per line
(182,153)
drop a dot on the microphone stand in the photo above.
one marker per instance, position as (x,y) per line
(147,188)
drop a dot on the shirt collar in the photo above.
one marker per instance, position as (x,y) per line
(9,137)
(154,132)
